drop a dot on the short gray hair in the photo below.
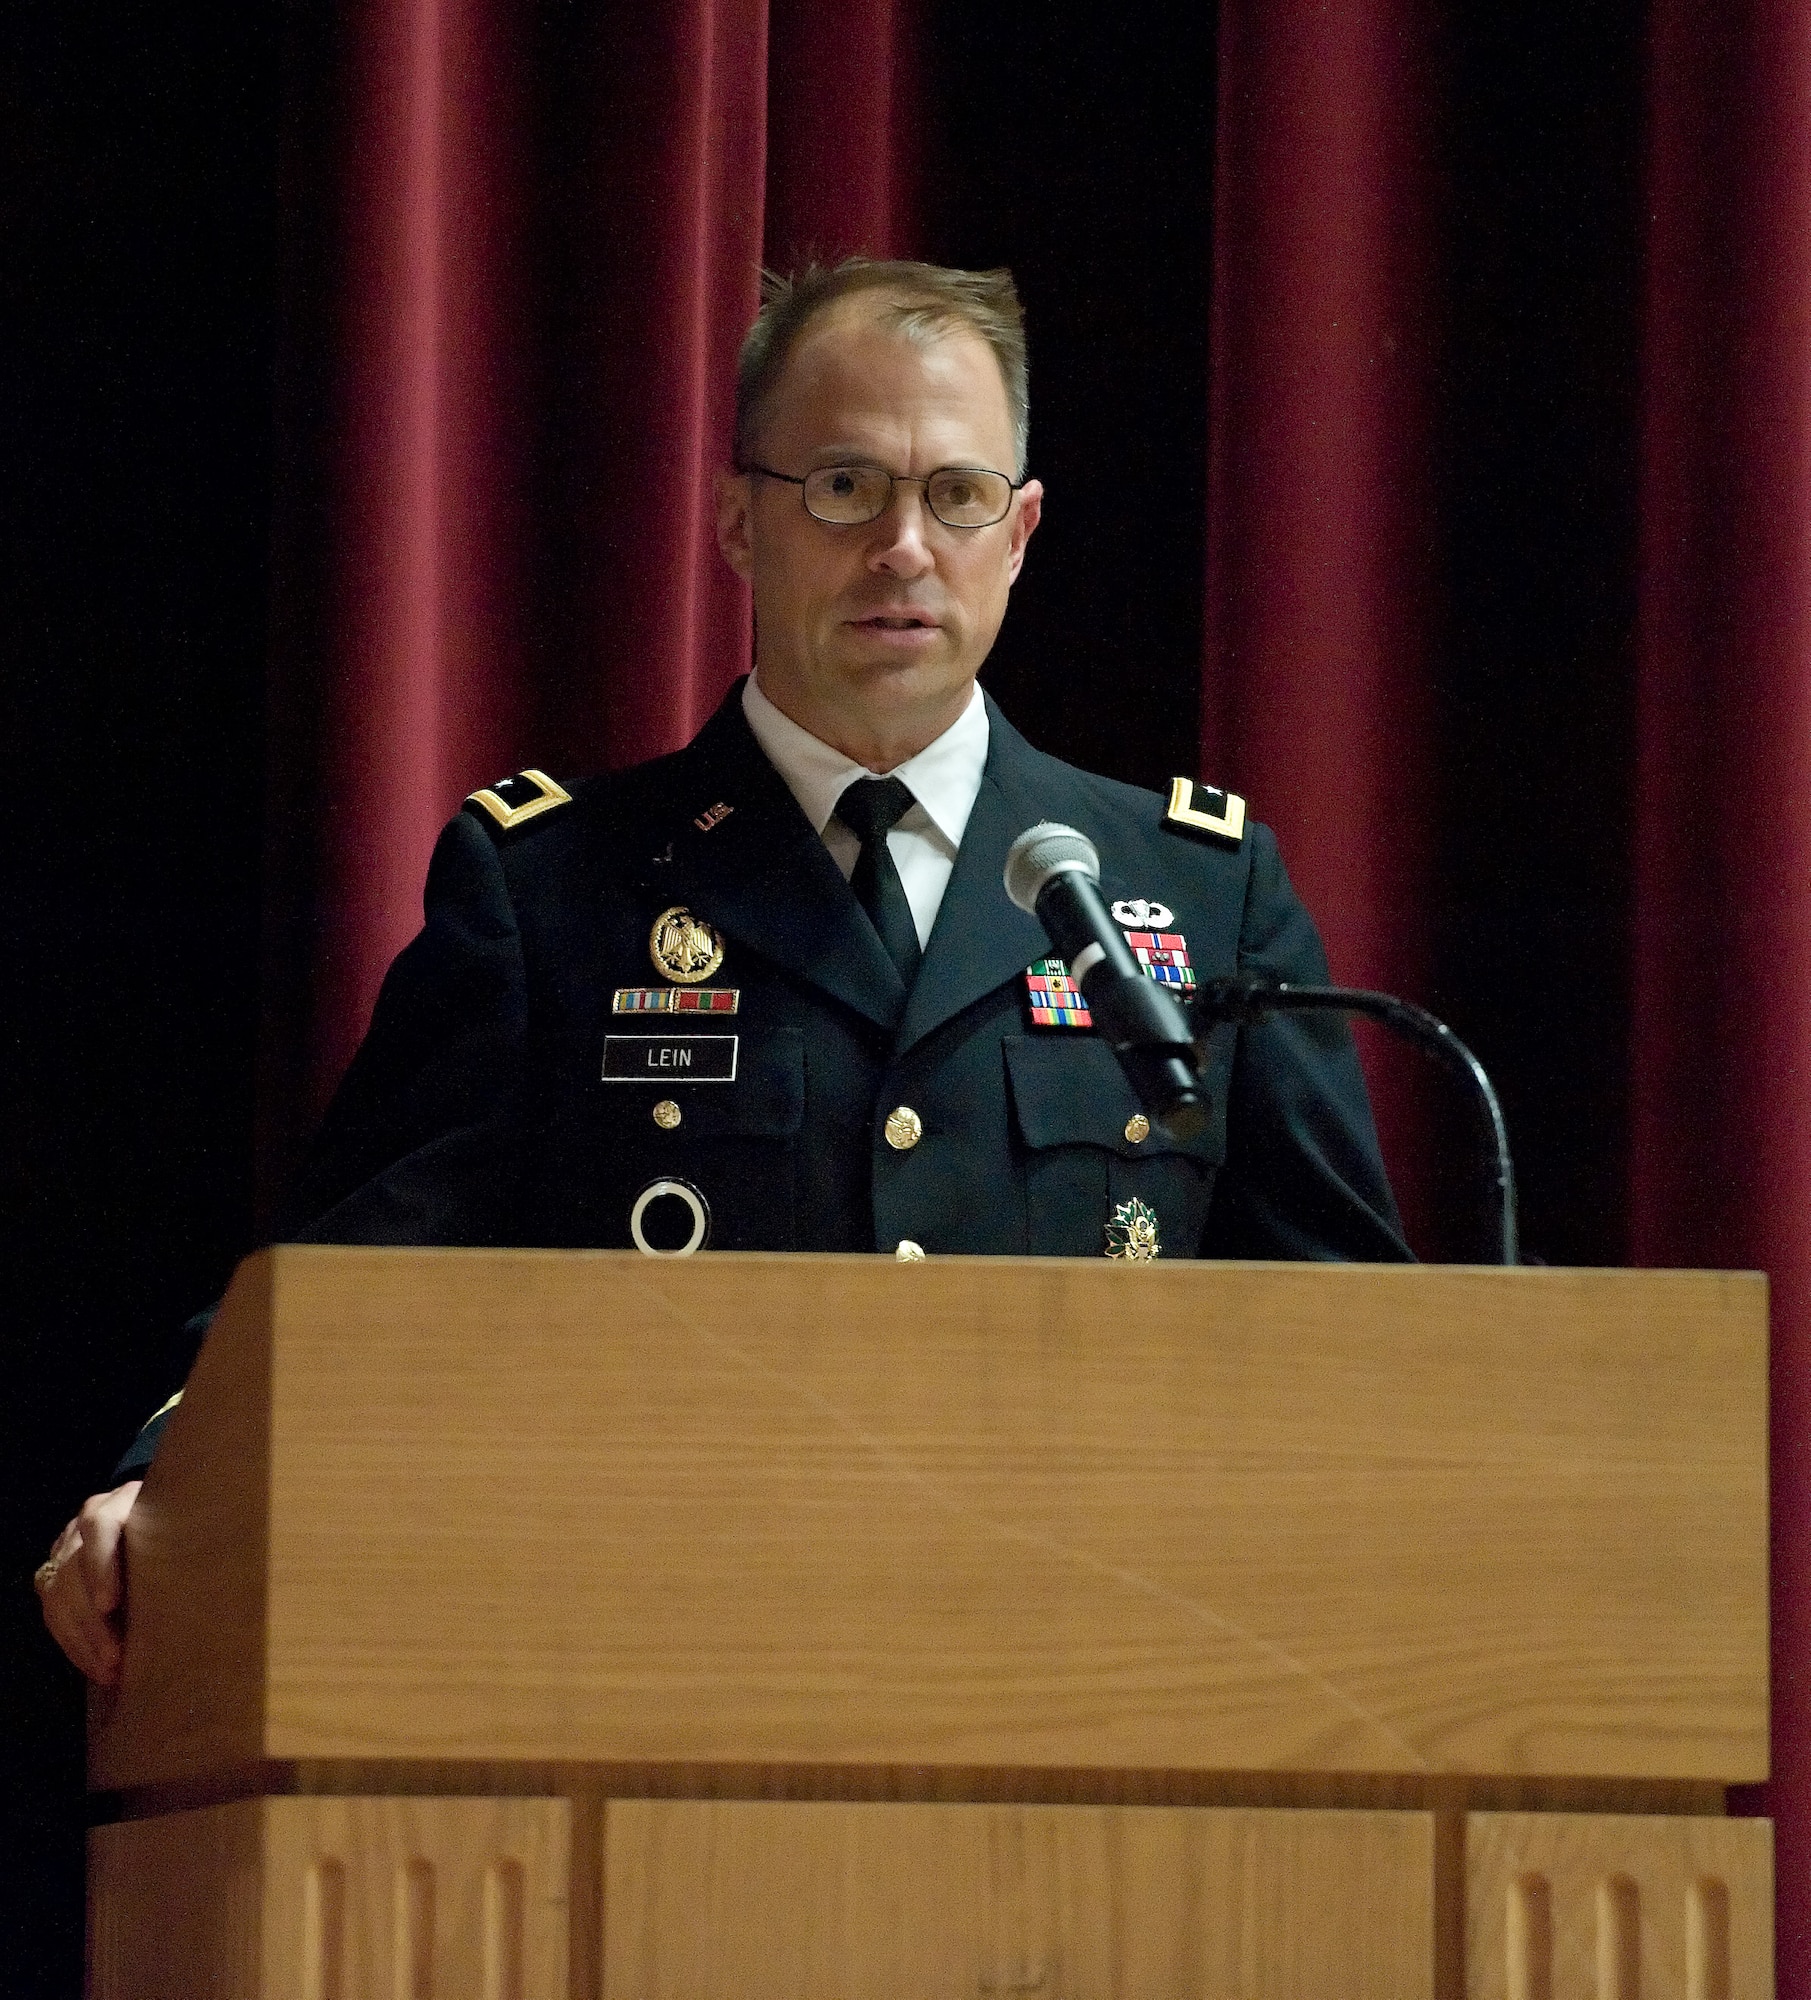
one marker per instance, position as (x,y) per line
(923,302)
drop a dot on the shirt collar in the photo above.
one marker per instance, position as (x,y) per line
(944,777)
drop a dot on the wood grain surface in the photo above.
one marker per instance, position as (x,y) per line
(176,1906)
(333,1899)
(799,1511)
(1567,1904)
(852,1902)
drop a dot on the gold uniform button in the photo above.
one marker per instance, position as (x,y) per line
(667,1114)
(904,1129)
(1138,1127)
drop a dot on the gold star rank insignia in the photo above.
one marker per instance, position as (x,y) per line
(683,947)
(525,796)
(1132,1234)
(1204,812)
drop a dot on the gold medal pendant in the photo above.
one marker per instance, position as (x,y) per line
(683,947)
(1132,1233)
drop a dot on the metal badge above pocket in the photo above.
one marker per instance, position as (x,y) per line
(684,947)
(666,1059)
(1139,913)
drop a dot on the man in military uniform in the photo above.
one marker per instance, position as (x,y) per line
(769,992)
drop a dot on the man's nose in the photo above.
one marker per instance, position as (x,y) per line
(901,547)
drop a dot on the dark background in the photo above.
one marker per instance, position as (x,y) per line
(141,251)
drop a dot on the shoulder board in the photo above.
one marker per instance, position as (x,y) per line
(163,1410)
(526,796)
(1204,812)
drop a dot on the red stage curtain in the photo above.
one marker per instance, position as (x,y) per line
(425,674)
(844,106)
(542,249)
(1721,1168)
(1319,554)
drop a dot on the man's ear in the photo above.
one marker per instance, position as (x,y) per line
(735,528)
(1026,516)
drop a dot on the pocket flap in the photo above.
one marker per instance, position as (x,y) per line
(1069,1090)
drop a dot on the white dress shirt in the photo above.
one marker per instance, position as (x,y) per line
(944,778)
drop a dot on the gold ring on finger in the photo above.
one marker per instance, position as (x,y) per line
(46,1574)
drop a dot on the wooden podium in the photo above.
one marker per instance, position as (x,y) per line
(518,1625)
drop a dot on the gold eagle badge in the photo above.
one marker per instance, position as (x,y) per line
(684,948)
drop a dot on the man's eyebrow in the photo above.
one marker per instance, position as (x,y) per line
(848,454)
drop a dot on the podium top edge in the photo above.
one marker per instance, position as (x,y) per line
(1356,1273)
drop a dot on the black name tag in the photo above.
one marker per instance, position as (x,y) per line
(670,1058)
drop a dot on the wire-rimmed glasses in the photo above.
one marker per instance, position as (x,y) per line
(848,496)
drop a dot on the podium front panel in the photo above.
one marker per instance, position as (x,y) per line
(743,1512)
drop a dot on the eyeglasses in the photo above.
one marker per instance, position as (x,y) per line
(846,496)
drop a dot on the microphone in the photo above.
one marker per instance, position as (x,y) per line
(1053,873)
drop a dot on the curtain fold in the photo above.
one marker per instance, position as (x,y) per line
(1319,589)
(425,678)
(530,247)
(844,119)
(1721,1123)
(671,225)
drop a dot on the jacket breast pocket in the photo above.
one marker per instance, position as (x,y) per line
(724,1085)
(1078,1132)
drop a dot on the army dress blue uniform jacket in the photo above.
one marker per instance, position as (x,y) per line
(477,1112)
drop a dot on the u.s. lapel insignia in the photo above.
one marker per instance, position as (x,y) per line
(1132,1234)
(1205,812)
(1163,955)
(1053,998)
(683,947)
(676,1000)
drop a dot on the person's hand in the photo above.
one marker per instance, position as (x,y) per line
(83,1582)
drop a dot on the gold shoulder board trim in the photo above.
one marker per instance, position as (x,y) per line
(163,1411)
(1183,812)
(506,815)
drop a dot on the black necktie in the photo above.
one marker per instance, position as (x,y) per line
(870,808)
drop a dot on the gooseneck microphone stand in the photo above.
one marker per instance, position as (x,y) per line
(1246,997)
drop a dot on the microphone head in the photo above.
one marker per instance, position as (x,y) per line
(1042,851)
